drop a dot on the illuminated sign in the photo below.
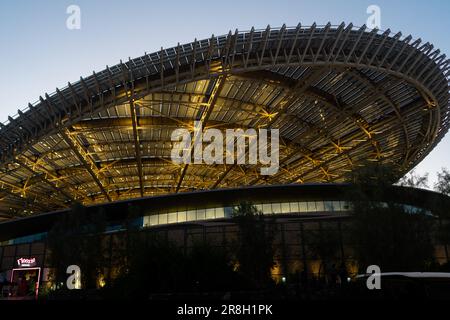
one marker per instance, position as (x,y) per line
(26,262)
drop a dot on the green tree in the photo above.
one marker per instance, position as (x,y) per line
(391,237)
(209,269)
(442,208)
(158,267)
(386,233)
(415,180)
(153,266)
(75,239)
(254,251)
(324,244)
(443,183)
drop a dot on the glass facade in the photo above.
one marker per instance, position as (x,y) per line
(201,214)
(204,214)
(293,246)
(26,239)
(295,238)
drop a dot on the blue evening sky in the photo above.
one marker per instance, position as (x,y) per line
(38,53)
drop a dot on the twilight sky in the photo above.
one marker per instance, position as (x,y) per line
(39,53)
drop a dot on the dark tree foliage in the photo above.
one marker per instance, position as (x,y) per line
(443,209)
(415,180)
(384,232)
(75,239)
(443,183)
(324,244)
(158,267)
(132,239)
(151,265)
(392,238)
(210,269)
(154,266)
(254,251)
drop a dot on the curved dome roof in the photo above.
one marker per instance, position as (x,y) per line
(339,95)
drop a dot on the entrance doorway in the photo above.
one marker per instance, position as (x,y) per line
(26,282)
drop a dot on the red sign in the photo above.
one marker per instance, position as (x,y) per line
(26,262)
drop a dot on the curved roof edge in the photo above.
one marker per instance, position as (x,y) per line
(419,63)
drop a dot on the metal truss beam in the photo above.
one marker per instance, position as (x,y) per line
(354,137)
(24,163)
(287,51)
(137,145)
(51,177)
(291,95)
(310,156)
(85,159)
(381,93)
(204,115)
(315,93)
(21,194)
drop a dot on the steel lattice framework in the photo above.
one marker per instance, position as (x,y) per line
(338,94)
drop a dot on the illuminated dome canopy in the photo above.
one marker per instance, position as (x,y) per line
(340,95)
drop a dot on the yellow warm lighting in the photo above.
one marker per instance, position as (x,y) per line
(315,267)
(101,281)
(276,273)
(269,115)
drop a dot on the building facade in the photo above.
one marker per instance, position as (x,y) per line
(339,96)
(301,213)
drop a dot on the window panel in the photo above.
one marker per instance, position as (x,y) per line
(201,214)
(303,207)
(328,206)
(276,208)
(220,213)
(337,205)
(162,218)
(182,216)
(172,217)
(267,208)
(294,207)
(285,207)
(210,213)
(319,206)
(154,220)
(311,206)
(191,215)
